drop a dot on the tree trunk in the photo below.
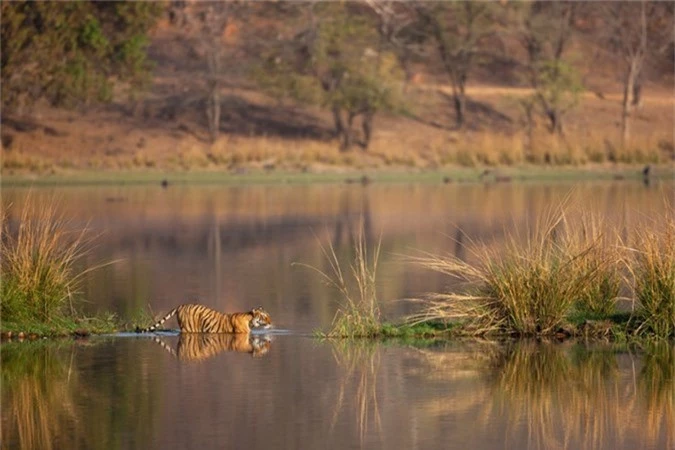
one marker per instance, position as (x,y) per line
(367,127)
(528,107)
(343,128)
(636,85)
(553,120)
(626,104)
(460,97)
(633,81)
(342,131)
(346,143)
(636,92)
(213,82)
(337,120)
(213,110)
(460,108)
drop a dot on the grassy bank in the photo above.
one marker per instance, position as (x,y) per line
(564,278)
(342,175)
(358,313)
(41,278)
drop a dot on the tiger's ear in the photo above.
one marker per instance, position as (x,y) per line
(257,309)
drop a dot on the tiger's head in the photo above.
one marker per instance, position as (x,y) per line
(260,318)
(261,345)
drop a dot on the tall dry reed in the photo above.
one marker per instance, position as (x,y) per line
(528,286)
(603,261)
(39,274)
(358,313)
(653,270)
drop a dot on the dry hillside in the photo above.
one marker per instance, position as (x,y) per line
(166,128)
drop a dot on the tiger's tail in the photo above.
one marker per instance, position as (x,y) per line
(154,327)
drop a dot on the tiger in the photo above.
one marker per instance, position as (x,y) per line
(193,318)
(195,347)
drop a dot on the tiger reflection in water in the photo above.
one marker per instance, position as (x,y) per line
(193,347)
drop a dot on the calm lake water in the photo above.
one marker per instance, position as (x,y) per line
(233,248)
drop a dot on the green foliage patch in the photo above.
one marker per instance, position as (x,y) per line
(70,53)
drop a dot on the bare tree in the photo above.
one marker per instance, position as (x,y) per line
(212,26)
(633,31)
(213,21)
(545,30)
(456,29)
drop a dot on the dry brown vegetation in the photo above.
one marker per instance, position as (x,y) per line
(109,140)
(358,313)
(561,267)
(41,275)
(166,130)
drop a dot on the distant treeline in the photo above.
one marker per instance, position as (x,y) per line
(353,59)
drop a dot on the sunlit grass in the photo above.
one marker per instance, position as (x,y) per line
(140,318)
(530,286)
(40,274)
(406,145)
(39,278)
(603,261)
(653,270)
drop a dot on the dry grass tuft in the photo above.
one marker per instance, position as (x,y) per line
(530,286)
(358,314)
(39,277)
(653,271)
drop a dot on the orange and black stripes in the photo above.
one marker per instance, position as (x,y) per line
(164,319)
(200,319)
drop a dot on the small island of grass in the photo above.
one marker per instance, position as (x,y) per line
(567,278)
(40,280)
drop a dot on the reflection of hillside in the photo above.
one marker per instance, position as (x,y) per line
(421,204)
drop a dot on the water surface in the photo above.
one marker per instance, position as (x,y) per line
(302,393)
(233,248)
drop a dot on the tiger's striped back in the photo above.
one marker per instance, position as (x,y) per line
(200,319)
(193,318)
